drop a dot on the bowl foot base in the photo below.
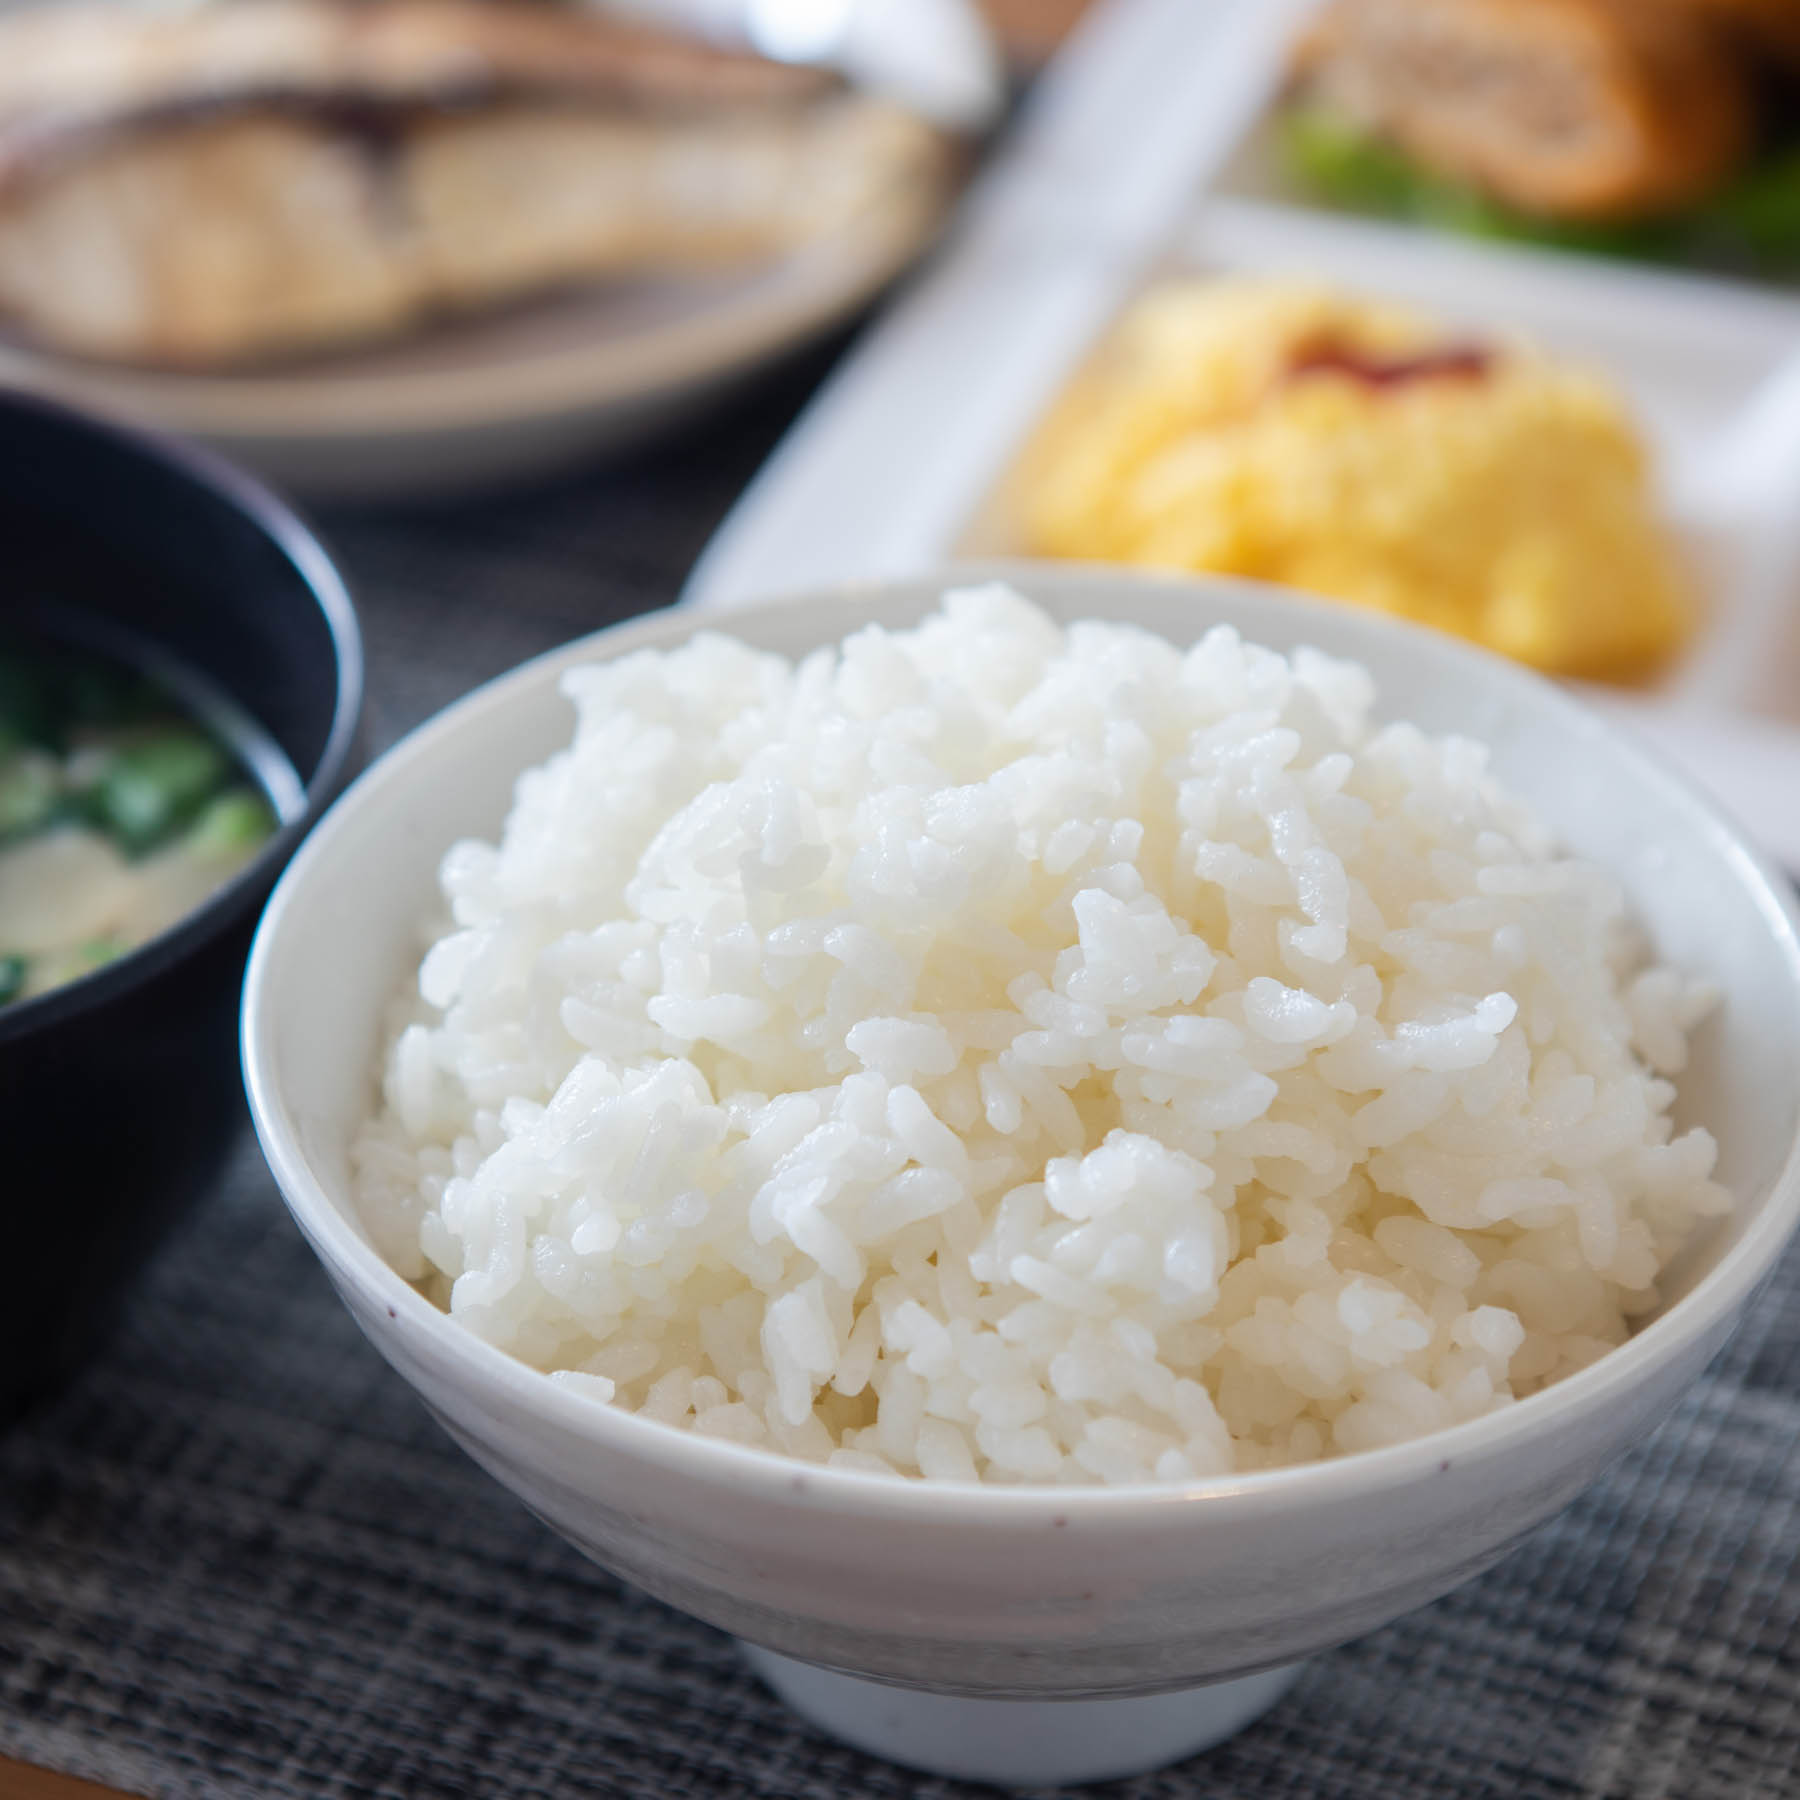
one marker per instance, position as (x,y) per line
(1020,1743)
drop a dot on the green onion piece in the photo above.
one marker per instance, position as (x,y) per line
(12,977)
(238,819)
(152,789)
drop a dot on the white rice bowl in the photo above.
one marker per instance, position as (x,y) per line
(999,1052)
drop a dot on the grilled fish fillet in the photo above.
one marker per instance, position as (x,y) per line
(279,175)
(1578,109)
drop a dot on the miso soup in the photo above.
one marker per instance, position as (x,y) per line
(130,791)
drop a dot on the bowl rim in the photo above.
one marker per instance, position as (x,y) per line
(319,576)
(1711,1309)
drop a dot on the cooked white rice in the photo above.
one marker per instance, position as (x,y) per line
(994,1051)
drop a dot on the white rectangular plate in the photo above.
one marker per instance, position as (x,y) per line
(895,467)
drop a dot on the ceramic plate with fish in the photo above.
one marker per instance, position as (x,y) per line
(436,241)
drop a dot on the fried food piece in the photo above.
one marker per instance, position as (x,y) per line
(1570,109)
(1284,432)
(275,175)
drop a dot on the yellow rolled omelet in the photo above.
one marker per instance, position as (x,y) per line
(1286,432)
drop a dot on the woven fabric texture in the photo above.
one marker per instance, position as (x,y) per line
(238,1560)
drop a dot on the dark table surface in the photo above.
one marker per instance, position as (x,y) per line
(238,1560)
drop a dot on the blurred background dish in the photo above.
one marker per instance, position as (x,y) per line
(119,1088)
(272,178)
(392,247)
(506,396)
(1666,131)
(1366,452)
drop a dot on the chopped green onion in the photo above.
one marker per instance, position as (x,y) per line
(238,819)
(151,789)
(12,977)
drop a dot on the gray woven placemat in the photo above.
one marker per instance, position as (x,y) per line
(237,1559)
